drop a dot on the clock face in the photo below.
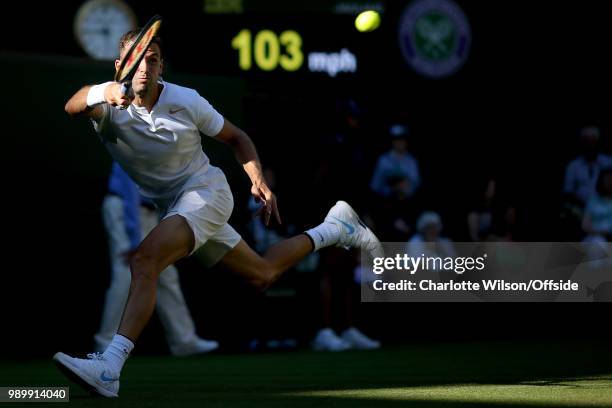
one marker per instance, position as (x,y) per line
(99,24)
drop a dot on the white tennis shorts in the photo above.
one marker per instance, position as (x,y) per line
(206,203)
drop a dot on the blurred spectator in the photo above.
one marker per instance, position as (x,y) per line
(428,241)
(397,162)
(504,223)
(394,215)
(597,222)
(582,173)
(571,218)
(128,218)
(601,293)
(343,167)
(493,216)
(337,295)
(480,219)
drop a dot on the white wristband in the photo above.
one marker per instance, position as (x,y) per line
(95,96)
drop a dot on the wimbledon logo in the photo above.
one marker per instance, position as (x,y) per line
(434,37)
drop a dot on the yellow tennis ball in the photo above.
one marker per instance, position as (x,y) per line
(367,21)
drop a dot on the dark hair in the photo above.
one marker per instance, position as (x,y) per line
(600,180)
(128,37)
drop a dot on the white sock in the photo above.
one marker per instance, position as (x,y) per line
(326,234)
(118,351)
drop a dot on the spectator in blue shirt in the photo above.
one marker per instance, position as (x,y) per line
(397,162)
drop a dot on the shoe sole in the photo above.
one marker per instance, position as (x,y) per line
(77,379)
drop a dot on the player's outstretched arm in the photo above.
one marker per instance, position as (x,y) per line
(87,101)
(245,152)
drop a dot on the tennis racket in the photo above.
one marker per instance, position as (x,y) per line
(131,60)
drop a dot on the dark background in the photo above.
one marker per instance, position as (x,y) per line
(537,73)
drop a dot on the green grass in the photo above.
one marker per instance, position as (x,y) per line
(428,376)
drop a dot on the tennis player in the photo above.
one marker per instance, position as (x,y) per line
(156,140)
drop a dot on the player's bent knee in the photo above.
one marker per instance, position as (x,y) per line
(255,269)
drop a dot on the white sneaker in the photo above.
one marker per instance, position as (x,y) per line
(327,340)
(358,340)
(200,346)
(354,233)
(93,373)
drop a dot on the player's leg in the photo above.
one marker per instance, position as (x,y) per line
(341,227)
(198,213)
(171,306)
(117,292)
(170,241)
(261,271)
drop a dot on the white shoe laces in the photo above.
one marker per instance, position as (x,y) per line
(95,356)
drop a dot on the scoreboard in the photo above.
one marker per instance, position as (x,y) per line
(290,46)
(426,38)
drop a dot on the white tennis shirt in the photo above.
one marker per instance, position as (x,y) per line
(160,150)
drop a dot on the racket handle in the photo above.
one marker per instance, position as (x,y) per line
(125,89)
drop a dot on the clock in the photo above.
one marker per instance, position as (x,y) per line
(99,24)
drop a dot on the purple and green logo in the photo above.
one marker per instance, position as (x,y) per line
(434,37)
